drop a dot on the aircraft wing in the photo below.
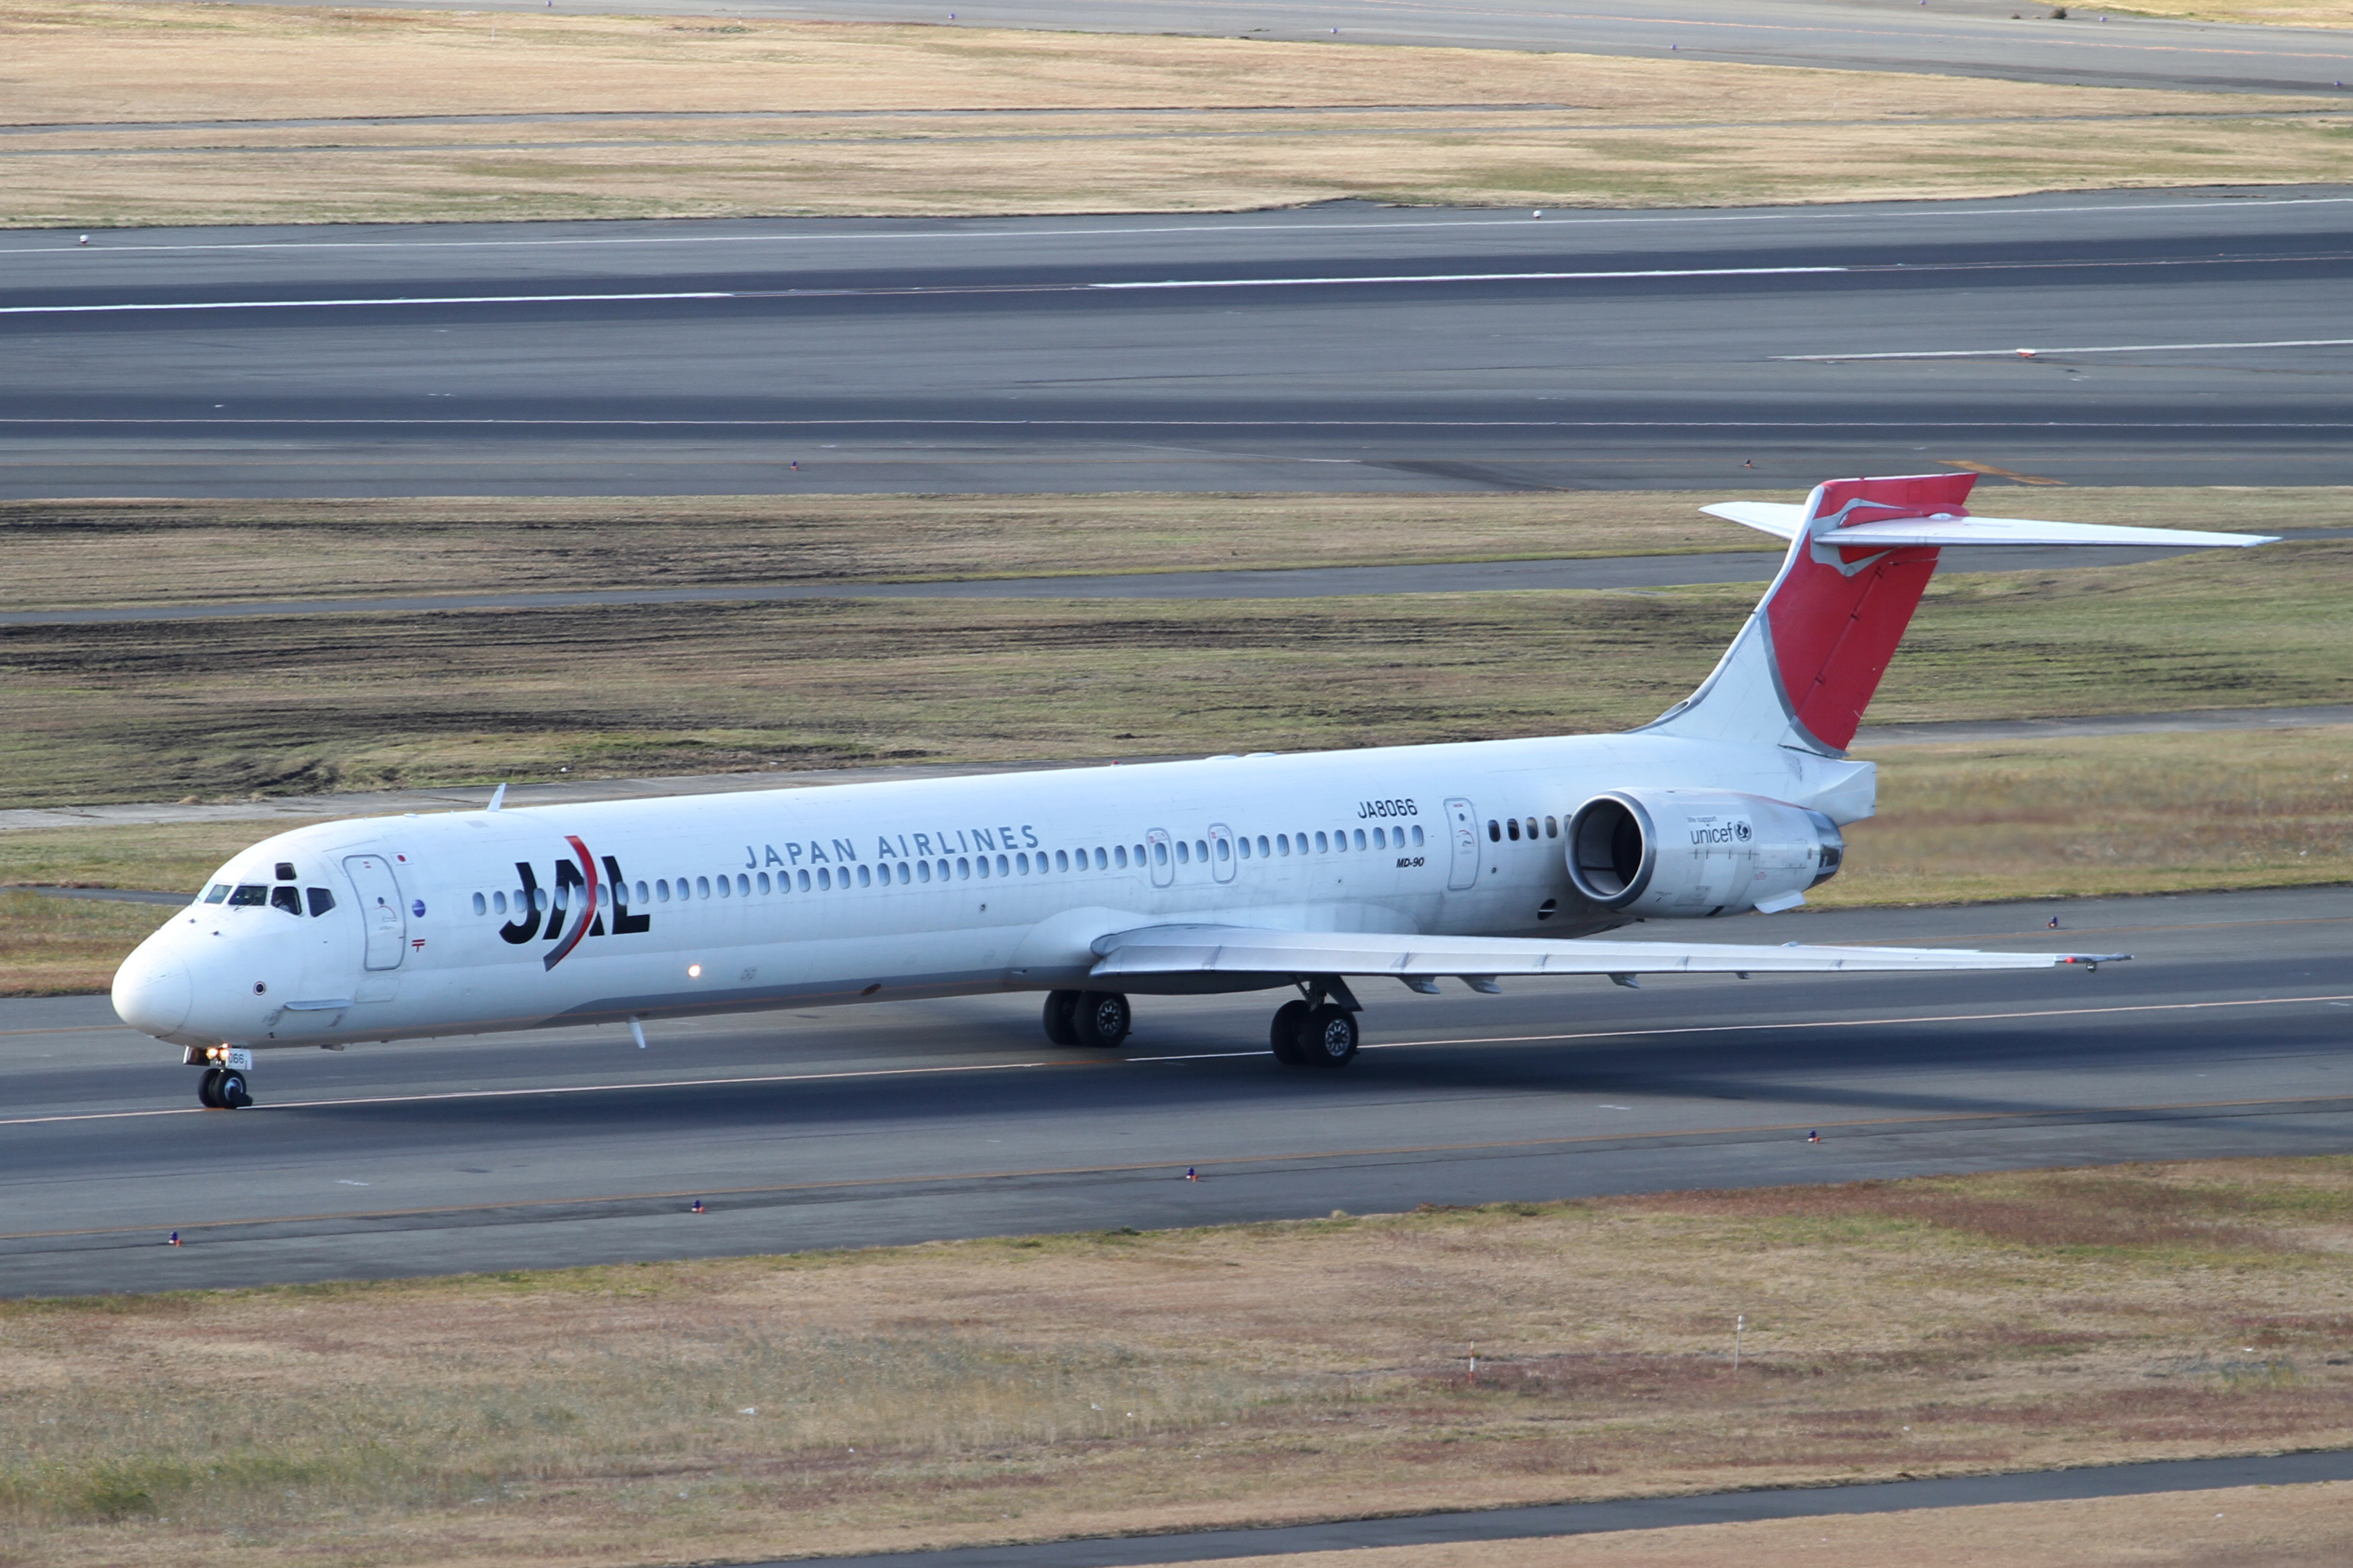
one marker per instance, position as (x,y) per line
(1246,950)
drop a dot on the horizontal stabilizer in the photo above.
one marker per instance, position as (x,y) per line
(1247,950)
(1772,517)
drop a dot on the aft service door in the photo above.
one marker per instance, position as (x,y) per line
(1463,825)
(388,926)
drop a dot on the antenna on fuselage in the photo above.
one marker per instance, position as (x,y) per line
(498,798)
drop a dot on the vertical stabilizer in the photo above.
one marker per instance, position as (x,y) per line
(1804,668)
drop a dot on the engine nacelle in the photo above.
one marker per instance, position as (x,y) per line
(1698,852)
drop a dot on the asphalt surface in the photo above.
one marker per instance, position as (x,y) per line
(1631,1514)
(2193,337)
(900,1123)
(2006,38)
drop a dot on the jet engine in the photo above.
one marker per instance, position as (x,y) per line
(1698,852)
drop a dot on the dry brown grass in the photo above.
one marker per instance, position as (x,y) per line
(2124,814)
(70,553)
(2275,13)
(146,711)
(1553,130)
(1037,1387)
(57,946)
(2236,1527)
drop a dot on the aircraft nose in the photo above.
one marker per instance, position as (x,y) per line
(152,993)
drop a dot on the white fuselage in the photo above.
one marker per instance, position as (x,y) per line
(888,891)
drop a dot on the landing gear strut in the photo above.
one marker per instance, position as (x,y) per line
(223,1089)
(1319,1030)
(1096,1019)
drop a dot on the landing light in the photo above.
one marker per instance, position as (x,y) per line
(694,972)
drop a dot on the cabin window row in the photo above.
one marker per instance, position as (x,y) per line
(1509,827)
(959,869)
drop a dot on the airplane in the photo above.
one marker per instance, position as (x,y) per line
(1312,873)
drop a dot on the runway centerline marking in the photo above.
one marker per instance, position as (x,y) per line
(2108,349)
(406,302)
(543,1090)
(1212,1162)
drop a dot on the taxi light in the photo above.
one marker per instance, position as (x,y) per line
(694,972)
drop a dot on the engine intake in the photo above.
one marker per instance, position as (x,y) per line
(1698,852)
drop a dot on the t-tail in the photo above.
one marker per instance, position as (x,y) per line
(1862,551)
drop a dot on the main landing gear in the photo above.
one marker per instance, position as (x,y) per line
(1319,1030)
(1096,1019)
(223,1089)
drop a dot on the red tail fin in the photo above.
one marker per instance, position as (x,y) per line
(1804,668)
(1838,612)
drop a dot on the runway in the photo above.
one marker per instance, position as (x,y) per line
(2180,337)
(900,1123)
(1953,37)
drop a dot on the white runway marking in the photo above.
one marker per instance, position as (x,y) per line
(1188,1056)
(1972,212)
(412,300)
(2107,349)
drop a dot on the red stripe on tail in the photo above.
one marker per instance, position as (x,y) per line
(1838,612)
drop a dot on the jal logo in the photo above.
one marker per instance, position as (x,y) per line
(574,906)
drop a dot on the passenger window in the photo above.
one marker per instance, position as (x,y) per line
(1184,853)
(805,882)
(1531,829)
(286,899)
(1062,860)
(1225,850)
(964,869)
(322,900)
(498,904)
(1282,844)
(250,895)
(1321,847)
(1416,836)
(1201,850)
(1103,861)
(1360,838)
(1118,853)
(642,900)
(865,878)
(661,889)
(481,905)
(725,888)
(1380,838)
(980,865)
(1161,852)
(1000,866)
(1262,850)
(1021,863)
(219,891)
(764,882)
(1243,845)
(1139,853)
(824,880)
(742,885)
(1494,831)
(1513,828)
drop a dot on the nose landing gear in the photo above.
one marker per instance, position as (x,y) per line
(223,1089)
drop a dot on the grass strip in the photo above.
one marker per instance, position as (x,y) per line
(163,114)
(1042,1386)
(65,554)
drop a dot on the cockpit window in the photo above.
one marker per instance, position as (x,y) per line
(249,893)
(322,900)
(219,891)
(286,899)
